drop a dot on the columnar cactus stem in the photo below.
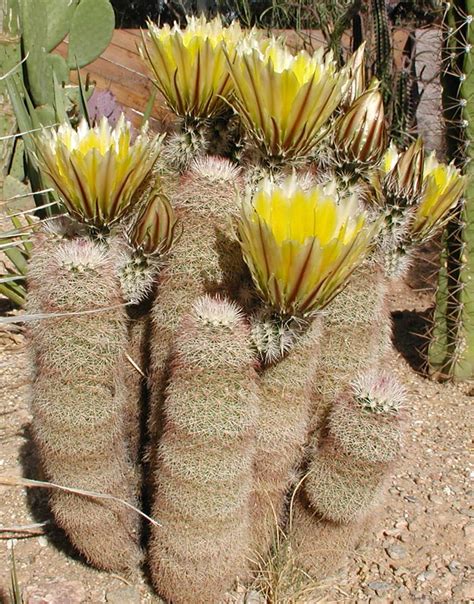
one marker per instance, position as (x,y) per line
(356,332)
(284,413)
(203,463)
(451,353)
(79,398)
(203,259)
(320,546)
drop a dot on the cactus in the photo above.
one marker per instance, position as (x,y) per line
(282,433)
(204,259)
(92,27)
(347,469)
(251,298)
(79,397)
(451,351)
(320,546)
(204,472)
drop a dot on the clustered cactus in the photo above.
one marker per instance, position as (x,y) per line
(252,296)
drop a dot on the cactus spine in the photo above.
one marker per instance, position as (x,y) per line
(451,352)
(79,397)
(203,474)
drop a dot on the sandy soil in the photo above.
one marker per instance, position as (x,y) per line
(419,550)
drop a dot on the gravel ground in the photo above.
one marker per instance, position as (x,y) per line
(419,550)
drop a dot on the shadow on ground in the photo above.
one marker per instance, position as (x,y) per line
(410,336)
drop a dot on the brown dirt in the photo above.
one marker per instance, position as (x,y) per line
(417,551)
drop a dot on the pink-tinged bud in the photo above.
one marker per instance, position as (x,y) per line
(360,134)
(153,231)
(405,181)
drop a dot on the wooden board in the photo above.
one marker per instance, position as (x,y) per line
(121,70)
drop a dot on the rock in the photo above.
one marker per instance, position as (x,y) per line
(435,499)
(55,592)
(467,512)
(454,567)
(402,593)
(396,552)
(122,595)
(426,575)
(468,530)
(380,587)
(464,592)
(410,498)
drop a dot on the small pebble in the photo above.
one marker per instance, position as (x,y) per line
(396,552)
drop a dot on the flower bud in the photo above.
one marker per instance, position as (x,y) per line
(153,231)
(360,135)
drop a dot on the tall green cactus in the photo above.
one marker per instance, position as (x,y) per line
(451,352)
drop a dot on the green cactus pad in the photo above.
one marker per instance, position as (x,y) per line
(58,65)
(92,28)
(60,13)
(45,114)
(34,32)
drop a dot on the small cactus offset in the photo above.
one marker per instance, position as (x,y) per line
(451,351)
(225,320)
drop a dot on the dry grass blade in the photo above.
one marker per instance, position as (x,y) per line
(280,579)
(19,134)
(55,315)
(27,529)
(16,481)
(14,68)
(15,591)
(135,366)
(23,195)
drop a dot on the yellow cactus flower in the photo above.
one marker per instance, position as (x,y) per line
(301,246)
(285,99)
(442,188)
(189,66)
(97,170)
(153,231)
(360,134)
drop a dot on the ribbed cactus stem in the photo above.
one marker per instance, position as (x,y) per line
(203,259)
(320,546)
(356,333)
(284,413)
(79,398)
(451,353)
(202,468)
(383,48)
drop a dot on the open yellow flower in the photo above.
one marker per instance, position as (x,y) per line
(285,99)
(97,170)
(301,246)
(442,187)
(189,66)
